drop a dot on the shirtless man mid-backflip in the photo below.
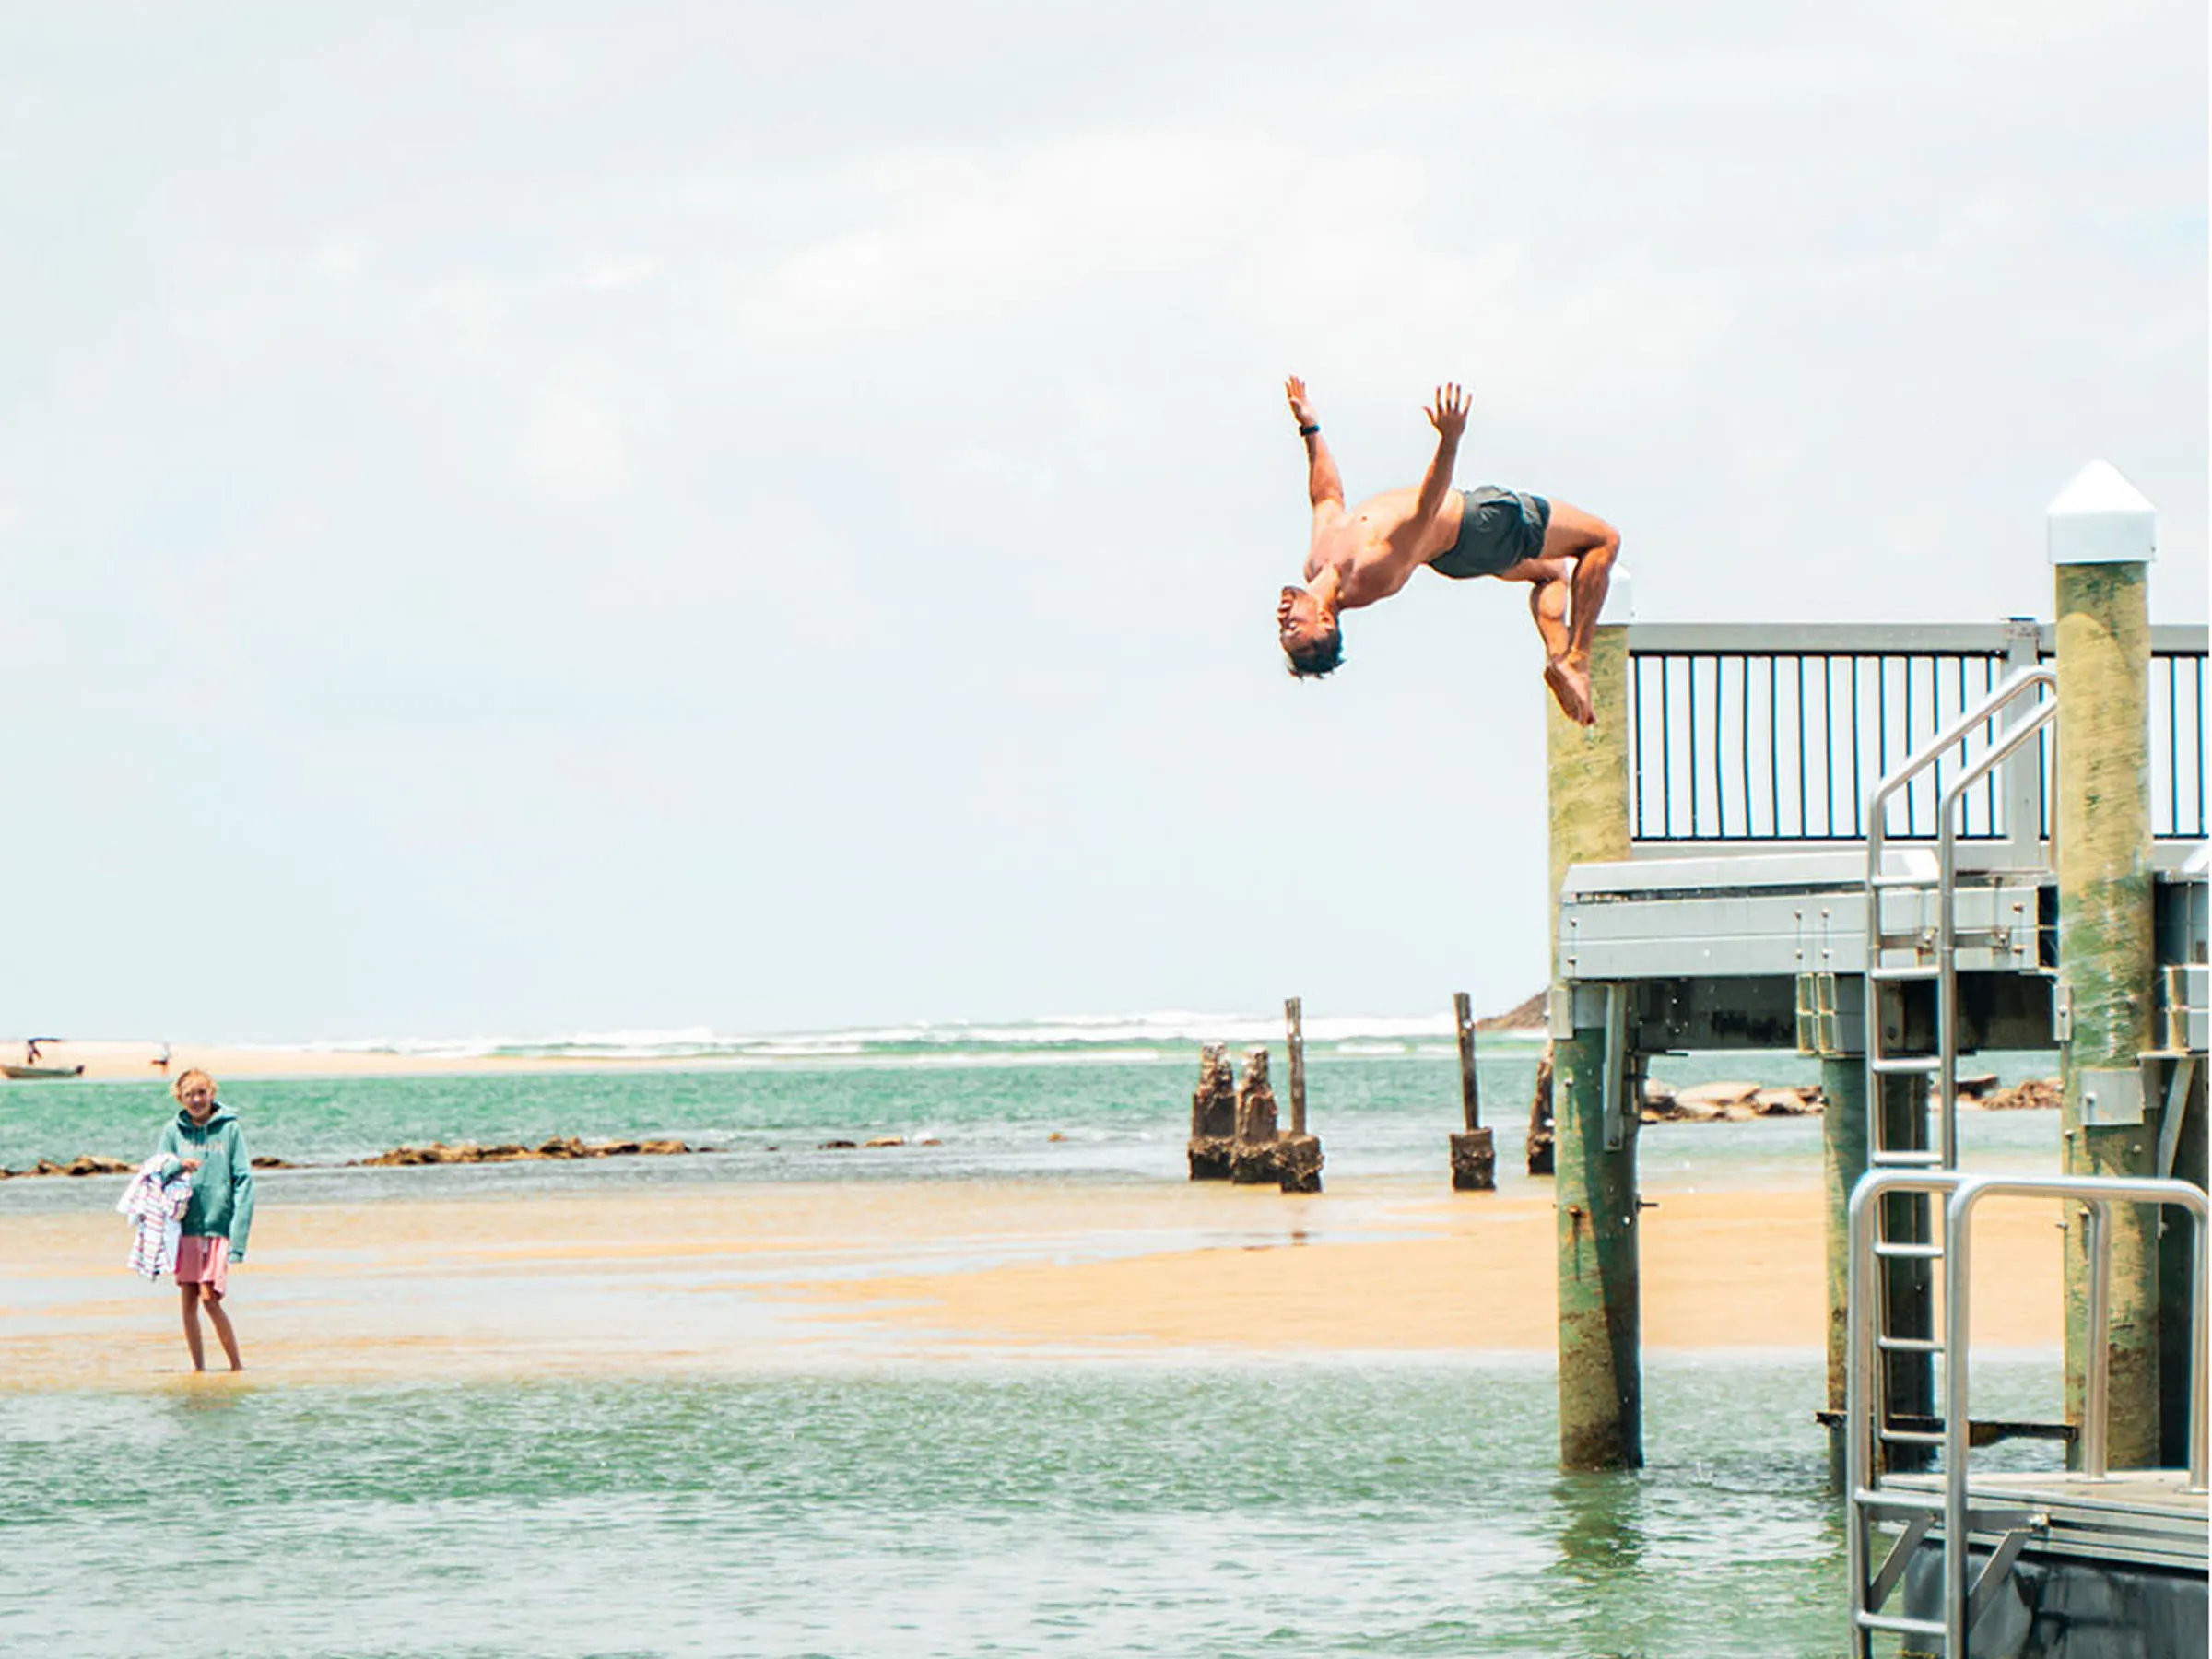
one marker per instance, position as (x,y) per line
(1369,552)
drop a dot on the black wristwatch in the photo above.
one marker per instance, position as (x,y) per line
(1307,431)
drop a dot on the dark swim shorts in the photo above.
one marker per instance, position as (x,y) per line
(1497,528)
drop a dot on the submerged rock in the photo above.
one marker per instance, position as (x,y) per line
(559,1147)
(2037,1094)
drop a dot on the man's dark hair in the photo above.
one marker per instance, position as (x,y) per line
(1317,657)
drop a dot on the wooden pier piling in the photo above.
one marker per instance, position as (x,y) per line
(1297,1154)
(1843,1159)
(1474,1158)
(1601,1367)
(2102,538)
(1540,1124)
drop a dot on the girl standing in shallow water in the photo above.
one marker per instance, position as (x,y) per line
(204,1138)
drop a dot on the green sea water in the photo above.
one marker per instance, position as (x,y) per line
(889,1507)
(1336,1508)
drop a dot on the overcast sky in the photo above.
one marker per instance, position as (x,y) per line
(525,518)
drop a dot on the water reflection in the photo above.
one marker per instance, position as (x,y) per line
(1602,1541)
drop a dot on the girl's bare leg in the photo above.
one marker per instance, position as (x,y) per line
(190,1294)
(223,1332)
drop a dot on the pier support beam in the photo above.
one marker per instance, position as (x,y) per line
(1601,1366)
(1601,1292)
(1842,1161)
(2103,535)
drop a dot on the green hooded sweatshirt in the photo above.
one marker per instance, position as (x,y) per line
(222,1188)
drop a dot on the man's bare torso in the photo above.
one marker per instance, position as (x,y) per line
(1375,547)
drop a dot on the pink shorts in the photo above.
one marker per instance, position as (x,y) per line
(204,1259)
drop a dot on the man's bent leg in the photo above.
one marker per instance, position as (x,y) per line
(1547,603)
(1592,543)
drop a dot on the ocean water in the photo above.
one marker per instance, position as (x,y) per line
(1336,1508)
(889,1507)
(1113,1110)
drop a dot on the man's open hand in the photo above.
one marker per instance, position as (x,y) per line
(1295,390)
(1448,414)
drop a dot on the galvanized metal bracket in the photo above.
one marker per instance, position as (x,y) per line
(1559,1013)
(2170,1118)
(2111,1098)
(1616,1069)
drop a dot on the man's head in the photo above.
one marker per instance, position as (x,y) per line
(1309,633)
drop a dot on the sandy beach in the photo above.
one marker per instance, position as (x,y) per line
(720,1280)
(127,1060)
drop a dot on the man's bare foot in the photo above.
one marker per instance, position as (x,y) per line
(1571,689)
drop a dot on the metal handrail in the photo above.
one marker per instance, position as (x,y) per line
(1862,1392)
(1946,875)
(1929,754)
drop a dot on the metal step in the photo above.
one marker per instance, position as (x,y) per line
(1909,1253)
(1894,975)
(1910,1437)
(1905,1158)
(1908,1345)
(1920,1500)
(1907,1065)
(1898,1623)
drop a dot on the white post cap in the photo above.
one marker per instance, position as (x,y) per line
(1620,599)
(2100,518)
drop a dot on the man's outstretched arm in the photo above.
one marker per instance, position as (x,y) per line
(1448,414)
(1323,487)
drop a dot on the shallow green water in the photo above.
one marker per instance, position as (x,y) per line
(1335,1508)
(1050,1507)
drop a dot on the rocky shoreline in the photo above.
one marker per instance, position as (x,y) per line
(1733,1102)
(1662,1103)
(562,1147)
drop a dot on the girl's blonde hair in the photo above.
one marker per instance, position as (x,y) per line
(177,1087)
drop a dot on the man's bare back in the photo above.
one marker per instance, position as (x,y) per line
(1361,555)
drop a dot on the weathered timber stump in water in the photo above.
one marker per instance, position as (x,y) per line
(1474,1159)
(1297,1163)
(1539,1118)
(1474,1162)
(1212,1114)
(1298,1154)
(1252,1157)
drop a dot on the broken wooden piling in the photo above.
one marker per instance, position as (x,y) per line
(1212,1114)
(1539,1118)
(1251,1155)
(1474,1158)
(1297,1154)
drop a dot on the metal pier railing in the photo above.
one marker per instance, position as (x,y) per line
(1879,1498)
(1933,950)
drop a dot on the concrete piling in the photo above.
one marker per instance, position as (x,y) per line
(2103,537)
(1601,1368)
(1843,1159)
(1601,1307)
